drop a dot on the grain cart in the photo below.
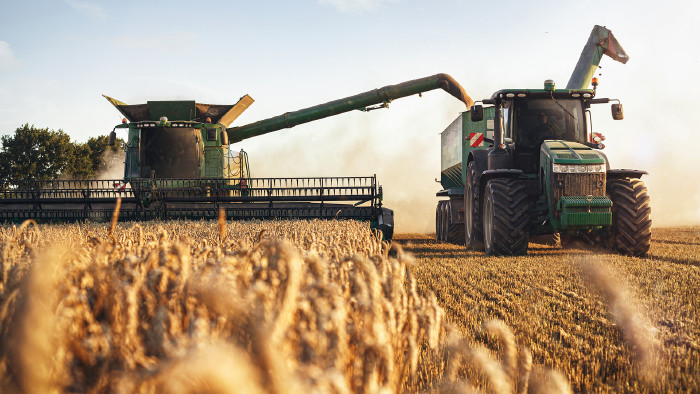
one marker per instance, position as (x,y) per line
(179,165)
(526,162)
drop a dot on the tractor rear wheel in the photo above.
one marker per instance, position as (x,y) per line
(455,231)
(631,221)
(505,217)
(473,233)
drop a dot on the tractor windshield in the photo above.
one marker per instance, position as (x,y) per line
(536,120)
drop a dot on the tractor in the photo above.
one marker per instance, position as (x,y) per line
(526,162)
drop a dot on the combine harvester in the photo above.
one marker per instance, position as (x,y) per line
(526,162)
(179,165)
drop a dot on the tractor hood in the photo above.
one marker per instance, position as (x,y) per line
(567,152)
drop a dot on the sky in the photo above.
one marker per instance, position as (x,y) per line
(58,57)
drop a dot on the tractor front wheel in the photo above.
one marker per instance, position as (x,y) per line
(504,216)
(631,221)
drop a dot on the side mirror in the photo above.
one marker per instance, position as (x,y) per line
(224,137)
(477,113)
(112,138)
(617,111)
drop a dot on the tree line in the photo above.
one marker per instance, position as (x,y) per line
(41,154)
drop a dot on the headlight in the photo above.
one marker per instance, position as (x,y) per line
(578,168)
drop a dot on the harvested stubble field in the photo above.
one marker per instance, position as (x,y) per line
(326,306)
(607,322)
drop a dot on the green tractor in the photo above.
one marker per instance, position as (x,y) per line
(525,162)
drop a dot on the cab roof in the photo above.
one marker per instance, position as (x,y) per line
(542,93)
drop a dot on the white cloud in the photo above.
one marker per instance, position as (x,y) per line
(91,10)
(8,61)
(355,5)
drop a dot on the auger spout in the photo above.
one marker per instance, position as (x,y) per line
(600,42)
(360,101)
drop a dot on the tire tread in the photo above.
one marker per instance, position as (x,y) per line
(631,229)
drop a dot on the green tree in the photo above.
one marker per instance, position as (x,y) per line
(33,153)
(80,165)
(43,154)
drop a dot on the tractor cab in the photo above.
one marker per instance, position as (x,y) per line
(532,116)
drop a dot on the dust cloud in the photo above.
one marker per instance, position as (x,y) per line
(662,146)
(113,165)
(674,191)
(400,145)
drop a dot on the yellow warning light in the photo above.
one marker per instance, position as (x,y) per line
(123,120)
(594,81)
(208,120)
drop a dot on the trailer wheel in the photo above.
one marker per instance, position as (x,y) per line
(443,222)
(386,224)
(631,221)
(455,231)
(505,218)
(437,221)
(473,232)
(439,217)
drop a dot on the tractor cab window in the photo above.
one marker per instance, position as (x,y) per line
(505,112)
(536,120)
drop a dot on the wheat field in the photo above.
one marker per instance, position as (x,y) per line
(326,306)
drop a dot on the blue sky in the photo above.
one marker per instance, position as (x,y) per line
(58,57)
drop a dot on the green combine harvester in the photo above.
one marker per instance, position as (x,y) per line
(179,165)
(526,162)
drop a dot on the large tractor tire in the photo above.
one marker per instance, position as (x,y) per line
(455,231)
(505,217)
(631,221)
(473,230)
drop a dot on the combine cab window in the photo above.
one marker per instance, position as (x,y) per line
(536,120)
(170,152)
